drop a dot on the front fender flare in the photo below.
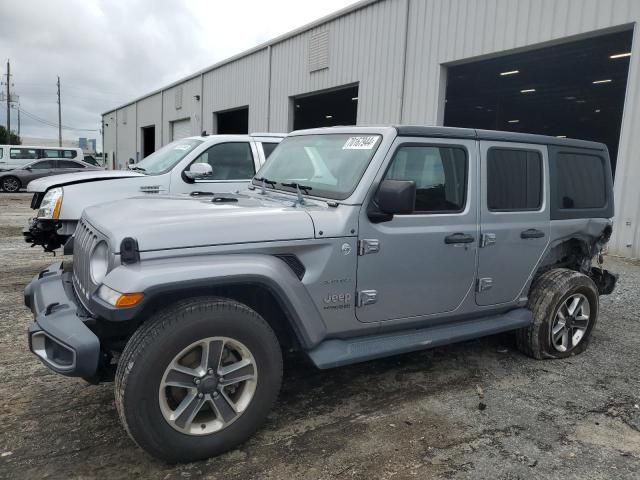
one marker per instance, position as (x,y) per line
(184,275)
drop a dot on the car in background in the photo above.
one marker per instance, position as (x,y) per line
(199,166)
(14,156)
(94,159)
(17,178)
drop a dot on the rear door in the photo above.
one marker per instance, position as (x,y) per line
(69,166)
(514,218)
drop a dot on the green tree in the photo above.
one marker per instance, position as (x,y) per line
(4,139)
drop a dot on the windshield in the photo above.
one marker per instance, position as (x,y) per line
(322,165)
(167,157)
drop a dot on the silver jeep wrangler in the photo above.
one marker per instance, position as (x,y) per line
(351,243)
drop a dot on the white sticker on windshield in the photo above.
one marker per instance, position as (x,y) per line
(360,143)
(182,147)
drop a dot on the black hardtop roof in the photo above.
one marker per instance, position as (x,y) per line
(476,134)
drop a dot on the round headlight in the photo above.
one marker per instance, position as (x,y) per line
(99,262)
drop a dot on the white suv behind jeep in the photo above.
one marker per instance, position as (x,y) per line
(195,165)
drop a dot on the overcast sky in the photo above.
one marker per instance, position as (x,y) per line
(108,52)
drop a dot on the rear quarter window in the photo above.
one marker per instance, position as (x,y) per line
(268,148)
(581,181)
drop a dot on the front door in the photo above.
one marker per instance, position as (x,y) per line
(233,165)
(425,262)
(514,218)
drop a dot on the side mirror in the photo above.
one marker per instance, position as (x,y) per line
(199,170)
(28,167)
(394,197)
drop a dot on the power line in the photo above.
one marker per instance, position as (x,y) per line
(52,124)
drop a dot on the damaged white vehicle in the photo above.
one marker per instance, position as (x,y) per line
(195,165)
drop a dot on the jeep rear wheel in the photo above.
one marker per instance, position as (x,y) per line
(10,184)
(198,379)
(565,310)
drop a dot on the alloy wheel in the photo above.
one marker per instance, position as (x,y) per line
(10,185)
(570,323)
(208,385)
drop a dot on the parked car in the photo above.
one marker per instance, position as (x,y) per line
(17,178)
(95,160)
(351,243)
(214,163)
(14,156)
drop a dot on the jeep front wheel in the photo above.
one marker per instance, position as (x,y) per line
(198,379)
(565,309)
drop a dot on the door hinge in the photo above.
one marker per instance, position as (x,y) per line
(487,239)
(367,297)
(368,245)
(484,284)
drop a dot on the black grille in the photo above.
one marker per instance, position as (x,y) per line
(294,264)
(36,200)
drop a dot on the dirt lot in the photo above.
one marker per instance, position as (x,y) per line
(474,410)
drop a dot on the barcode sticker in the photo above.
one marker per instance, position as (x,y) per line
(360,143)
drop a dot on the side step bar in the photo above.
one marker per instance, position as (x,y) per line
(337,352)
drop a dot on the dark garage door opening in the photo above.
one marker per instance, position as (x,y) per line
(572,90)
(148,140)
(326,109)
(233,121)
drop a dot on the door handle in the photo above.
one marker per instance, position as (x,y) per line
(458,238)
(531,233)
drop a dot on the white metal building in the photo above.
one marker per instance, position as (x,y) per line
(560,67)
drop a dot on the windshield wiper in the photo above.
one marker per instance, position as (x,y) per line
(265,181)
(299,188)
(139,169)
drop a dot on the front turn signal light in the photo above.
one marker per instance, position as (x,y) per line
(129,299)
(56,209)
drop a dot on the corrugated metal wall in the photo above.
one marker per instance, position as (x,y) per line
(367,46)
(250,86)
(126,135)
(189,107)
(149,113)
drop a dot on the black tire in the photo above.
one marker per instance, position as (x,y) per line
(548,293)
(11,184)
(158,340)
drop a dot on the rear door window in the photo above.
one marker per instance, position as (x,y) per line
(581,181)
(69,164)
(43,165)
(514,180)
(51,153)
(268,148)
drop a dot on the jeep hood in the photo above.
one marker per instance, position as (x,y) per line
(180,221)
(43,184)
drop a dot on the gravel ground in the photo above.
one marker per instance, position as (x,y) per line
(473,410)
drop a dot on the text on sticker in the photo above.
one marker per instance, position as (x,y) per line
(360,143)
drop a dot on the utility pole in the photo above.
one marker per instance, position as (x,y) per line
(18,118)
(9,102)
(59,116)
